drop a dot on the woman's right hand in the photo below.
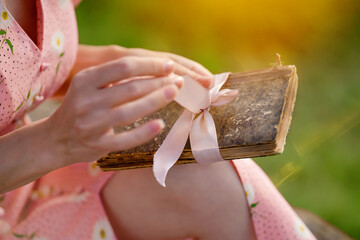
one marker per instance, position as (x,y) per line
(102,97)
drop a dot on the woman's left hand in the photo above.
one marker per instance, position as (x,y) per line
(89,56)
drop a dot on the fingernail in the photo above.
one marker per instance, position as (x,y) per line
(170,92)
(178,81)
(157,125)
(168,66)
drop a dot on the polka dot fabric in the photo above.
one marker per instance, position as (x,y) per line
(64,204)
(53,206)
(272,216)
(30,72)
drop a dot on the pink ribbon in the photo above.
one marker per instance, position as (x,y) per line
(203,139)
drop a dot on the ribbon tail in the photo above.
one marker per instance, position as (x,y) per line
(203,139)
(172,147)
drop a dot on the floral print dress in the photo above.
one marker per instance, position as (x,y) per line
(272,216)
(66,203)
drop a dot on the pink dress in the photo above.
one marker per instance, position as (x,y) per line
(66,203)
(29,73)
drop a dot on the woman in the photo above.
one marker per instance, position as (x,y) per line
(65,196)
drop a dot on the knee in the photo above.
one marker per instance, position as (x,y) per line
(214,198)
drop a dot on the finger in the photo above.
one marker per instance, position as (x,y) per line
(132,138)
(184,66)
(131,112)
(126,67)
(131,90)
(190,64)
(206,81)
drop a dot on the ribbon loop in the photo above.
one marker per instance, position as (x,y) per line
(224,97)
(192,96)
(203,139)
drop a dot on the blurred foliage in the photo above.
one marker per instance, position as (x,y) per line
(319,169)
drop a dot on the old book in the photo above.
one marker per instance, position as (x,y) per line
(254,124)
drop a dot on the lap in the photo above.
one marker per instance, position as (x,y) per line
(202,201)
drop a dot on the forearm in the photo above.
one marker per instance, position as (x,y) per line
(27,154)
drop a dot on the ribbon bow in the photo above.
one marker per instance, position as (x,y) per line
(203,139)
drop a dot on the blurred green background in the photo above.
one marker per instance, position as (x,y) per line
(320,168)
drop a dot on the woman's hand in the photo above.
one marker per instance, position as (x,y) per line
(104,96)
(81,128)
(89,56)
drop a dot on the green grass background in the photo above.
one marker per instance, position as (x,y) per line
(320,167)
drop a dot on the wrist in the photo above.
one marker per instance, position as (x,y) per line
(53,154)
